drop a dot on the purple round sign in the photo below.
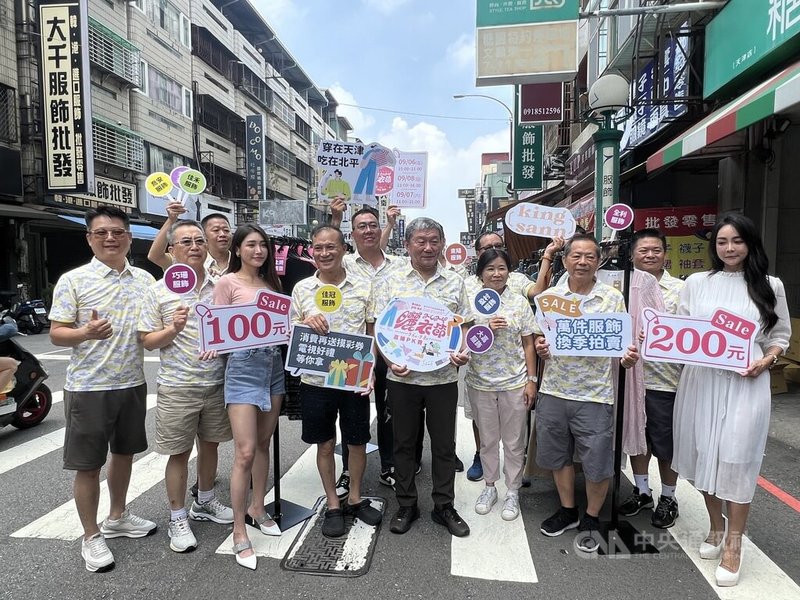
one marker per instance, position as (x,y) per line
(175,174)
(618,217)
(479,338)
(180,278)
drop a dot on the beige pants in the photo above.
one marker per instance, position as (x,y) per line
(501,416)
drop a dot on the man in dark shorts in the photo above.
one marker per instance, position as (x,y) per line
(575,409)
(649,249)
(95,311)
(322,404)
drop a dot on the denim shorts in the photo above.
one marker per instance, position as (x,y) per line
(252,376)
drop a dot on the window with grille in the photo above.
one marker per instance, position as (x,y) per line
(8,114)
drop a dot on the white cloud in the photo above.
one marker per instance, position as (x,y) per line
(281,12)
(449,168)
(385,7)
(461,53)
(360,121)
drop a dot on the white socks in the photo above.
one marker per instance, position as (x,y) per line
(643,483)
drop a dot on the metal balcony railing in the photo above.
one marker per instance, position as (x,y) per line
(117,145)
(113,53)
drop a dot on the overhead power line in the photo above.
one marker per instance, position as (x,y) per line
(414,114)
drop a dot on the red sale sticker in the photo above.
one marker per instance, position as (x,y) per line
(725,341)
(264,322)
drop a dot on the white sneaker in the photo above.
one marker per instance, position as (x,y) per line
(128,525)
(213,510)
(486,500)
(510,507)
(181,538)
(96,554)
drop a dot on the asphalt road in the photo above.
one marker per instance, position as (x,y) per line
(40,553)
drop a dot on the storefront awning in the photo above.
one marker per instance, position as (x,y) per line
(778,93)
(140,232)
(17,211)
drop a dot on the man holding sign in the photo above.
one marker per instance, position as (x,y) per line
(190,387)
(95,312)
(335,300)
(434,393)
(575,410)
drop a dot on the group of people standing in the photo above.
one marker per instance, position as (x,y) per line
(704,424)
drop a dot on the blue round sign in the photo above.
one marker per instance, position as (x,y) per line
(487,302)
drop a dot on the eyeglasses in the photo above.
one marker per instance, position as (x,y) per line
(493,246)
(365,226)
(189,242)
(102,234)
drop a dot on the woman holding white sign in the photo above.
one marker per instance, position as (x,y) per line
(254,389)
(721,417)
(502,384)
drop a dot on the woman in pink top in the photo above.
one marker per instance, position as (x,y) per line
(254,389)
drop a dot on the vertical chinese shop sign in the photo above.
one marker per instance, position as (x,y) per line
(66,95)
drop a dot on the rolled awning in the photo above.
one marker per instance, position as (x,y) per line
(778,93)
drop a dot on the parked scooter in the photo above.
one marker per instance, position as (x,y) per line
(33,399)
(30,315)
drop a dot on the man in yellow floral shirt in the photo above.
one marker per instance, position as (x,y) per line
(96,311)
(575,409)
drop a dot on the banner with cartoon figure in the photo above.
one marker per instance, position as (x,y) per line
(355,172)
(346,360)
(419,333)
(572,332)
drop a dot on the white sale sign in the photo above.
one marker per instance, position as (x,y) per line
(725,341)
(540,221)
(227,328)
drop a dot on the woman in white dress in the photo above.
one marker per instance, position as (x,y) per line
(721,417)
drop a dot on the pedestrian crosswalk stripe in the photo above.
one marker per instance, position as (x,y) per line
(760,577)
(40,446)
(509,558)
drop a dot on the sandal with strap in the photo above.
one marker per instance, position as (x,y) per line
(249,562)
(259,524)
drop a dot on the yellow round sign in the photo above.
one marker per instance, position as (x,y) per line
(328,298)
(158,184)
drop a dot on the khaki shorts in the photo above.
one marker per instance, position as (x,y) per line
(186,412)
(99,421)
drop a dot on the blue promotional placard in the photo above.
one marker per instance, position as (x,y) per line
(487,302)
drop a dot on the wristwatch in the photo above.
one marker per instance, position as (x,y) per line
(533,378)
(774,360)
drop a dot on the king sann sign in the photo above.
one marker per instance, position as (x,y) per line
(66,96)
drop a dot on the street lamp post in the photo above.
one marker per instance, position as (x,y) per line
(607,97)
(510,130)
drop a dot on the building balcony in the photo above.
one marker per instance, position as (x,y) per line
(113,53)
(117,145)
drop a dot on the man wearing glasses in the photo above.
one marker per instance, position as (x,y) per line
(190,388)
(95,312)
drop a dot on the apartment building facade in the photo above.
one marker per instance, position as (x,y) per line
(172,82)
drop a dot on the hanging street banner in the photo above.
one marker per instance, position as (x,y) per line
(541,103)
(571,332)
(725,341)
(66,96)
(528,157)
(346,360)
(419,333)
(410,180)
(226,328)
(256,157)
(526,41)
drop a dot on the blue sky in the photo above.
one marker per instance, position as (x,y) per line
(402,56)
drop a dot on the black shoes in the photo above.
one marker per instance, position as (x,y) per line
(635,503)
(363,511)
(459,465)
(588,538)
(403,518)
(561,521)
(333,525)
(665,513)
(448,516)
